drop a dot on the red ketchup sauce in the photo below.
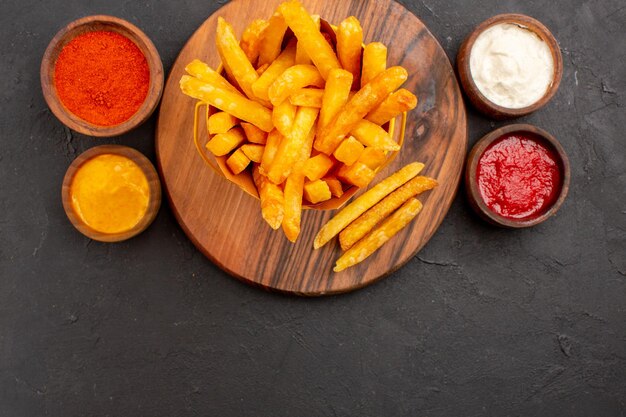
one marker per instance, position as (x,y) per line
(519,176)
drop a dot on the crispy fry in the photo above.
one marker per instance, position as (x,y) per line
(272,199)
(234,59)
(349,150)
(238,161)
(335,186)
(370,134)
(272,39)
(254,152)
(221,122)
(251,38)
(349,49)
(372,196)
(357,174)
(254,134)
(285,60)
(204,73)
(378,237)
(368,97)
(316,167)
(373,157)
(307,97)
(317,191)
(261,70)
(301,56)
(374,61)
(223,143)
(283,116)
(364,224)
(336,95)
(290,149)
(274,138)
(294,187)
(235,104)
(293,79)
(309,36)
(397,102)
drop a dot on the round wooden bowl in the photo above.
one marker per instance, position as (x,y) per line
(471,182)
(476,97)
(91,24)
(153,183)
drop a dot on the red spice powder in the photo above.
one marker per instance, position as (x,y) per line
(102,77)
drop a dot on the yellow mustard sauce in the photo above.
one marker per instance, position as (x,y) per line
(110,193)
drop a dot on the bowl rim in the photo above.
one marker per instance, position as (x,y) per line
(146,167)
(130,31)
(472,90)
(471,183)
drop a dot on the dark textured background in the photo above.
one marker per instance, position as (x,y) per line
(483,322)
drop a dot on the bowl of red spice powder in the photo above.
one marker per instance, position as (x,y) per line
(517,176)
(101,76)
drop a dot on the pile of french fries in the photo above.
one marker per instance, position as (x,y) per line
(376,216)
(303,114)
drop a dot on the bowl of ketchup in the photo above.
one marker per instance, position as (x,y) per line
(517,176)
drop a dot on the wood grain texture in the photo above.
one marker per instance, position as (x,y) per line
(225,224)
(91,24)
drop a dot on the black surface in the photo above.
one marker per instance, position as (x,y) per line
(483,322)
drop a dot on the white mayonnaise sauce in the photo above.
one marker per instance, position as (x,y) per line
(511,65)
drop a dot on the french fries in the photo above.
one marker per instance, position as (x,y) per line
(296,116)
(379,236)
(364,224)
(372,196)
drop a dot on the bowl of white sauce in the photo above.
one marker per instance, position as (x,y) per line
(510,66)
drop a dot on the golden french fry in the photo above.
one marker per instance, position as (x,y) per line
(374,61)
(290,149)
(235,104)
(251,38)
(272,39)
(307,97)
(366,222)
(272,199)
(309,36)
(222,144)
(335,186)
(396,103)
(349,47)
(357,174)
(274,138)
(336,95)
(285,60)
(204,73)
(294,187)
(301,56)
(373,157)
(317,191)
(366,200)
(221,122)
(316,167)
(368,97)
(254,134)
(370,134)
(293,79)
(283,116)
(253,151)
(379,236)
(261,70)
(349,151)
(234,59)
(238,161)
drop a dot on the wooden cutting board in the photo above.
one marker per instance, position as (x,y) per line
(225,223)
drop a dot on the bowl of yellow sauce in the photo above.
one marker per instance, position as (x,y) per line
(111,193)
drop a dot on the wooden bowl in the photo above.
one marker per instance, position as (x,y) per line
(471,182)
(91,24)
(467,81)
(153,183)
